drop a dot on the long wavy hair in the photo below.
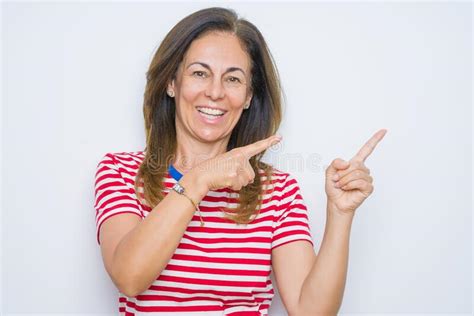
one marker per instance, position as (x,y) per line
(260,121)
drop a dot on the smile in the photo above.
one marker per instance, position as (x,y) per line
(210,113)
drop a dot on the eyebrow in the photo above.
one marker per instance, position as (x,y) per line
(230,69)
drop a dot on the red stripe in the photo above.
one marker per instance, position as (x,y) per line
(183,290)
(221,260)
(158,298)
(225,249)
(229,283)
(201,308)
(245,313)
(173,267)
(287,242)
(227,239)
(105,211)
(215,230)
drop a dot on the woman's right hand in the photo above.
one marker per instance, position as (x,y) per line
(232,169)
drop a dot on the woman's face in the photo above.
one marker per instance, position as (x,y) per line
(211,87)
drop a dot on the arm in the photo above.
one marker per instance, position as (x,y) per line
(316,287)
(348,184)
(144,251)
(323,288)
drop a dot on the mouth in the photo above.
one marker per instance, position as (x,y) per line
(210,113)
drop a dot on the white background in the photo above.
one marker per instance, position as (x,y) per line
(73,78)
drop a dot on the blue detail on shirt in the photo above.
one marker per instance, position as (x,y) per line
(174,173)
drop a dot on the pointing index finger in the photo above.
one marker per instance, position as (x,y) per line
(261,145)
(369,146)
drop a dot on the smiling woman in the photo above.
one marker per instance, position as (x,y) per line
(195,223)
(211,88)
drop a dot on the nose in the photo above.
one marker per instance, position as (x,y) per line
(214,89)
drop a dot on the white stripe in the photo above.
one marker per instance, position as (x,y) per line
(114,212)
(289,229)
(290,238)
(241,309)
(181,304)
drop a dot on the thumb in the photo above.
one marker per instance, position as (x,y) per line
(336,165)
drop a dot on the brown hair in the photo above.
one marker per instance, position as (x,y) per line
(260,121)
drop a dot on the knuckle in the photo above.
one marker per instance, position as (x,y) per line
(238,152)
(235,187)
(251,175)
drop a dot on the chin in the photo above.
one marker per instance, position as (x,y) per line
(211,137)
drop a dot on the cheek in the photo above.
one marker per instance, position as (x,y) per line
(190,90)
(237,98)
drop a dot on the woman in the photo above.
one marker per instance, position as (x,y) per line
(196,222)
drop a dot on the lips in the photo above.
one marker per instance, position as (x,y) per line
(211,119)
(214,111)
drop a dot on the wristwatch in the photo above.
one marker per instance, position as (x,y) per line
(178,188)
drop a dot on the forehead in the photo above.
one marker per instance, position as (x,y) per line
(218,49)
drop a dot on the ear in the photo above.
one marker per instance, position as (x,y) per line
(171,86)
(249,98)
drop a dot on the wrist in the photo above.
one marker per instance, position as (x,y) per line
(334,211)
(194,185)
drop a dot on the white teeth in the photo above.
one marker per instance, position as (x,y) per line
(211,111)
(210,117)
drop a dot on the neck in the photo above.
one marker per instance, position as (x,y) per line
(191,152)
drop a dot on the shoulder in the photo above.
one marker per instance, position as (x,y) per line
(281,181)
(120,164)
(277,175)
(122,159)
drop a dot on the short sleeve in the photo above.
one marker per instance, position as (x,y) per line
(291,223)
(114,192)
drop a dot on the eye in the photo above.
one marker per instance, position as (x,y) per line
(234,79)
(199,73)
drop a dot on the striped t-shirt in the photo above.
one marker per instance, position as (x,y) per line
(220,269)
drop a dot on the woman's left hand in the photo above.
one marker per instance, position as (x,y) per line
(348,183)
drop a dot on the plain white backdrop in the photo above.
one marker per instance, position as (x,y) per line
(73,77)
